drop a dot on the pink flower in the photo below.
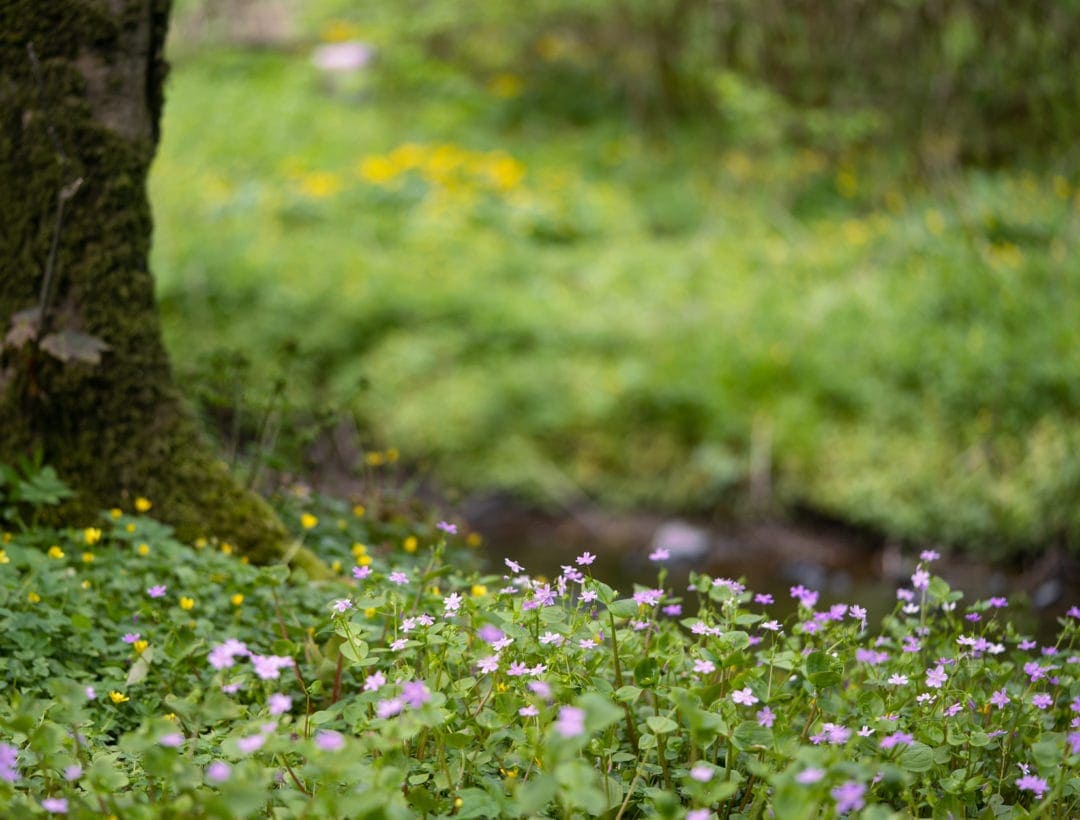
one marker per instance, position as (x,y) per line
(55,805)
(849,796)
(513,566)
(810,775)
(247,745)
(540,688)
(765,717)
(929,555)
(342,605)
(374,682)
(744,696)
(1031,783)
(279,704)
(268,667)
(399,644)
(73,772)
(449,529)
(921,579)
(451,604)
(704,667)
(1042,701)
(330,741)
(659,554)
(701,773)
(389,708)
(528,711)
(935,678)
(585,559)
(360,573)
(649,597)
(174,740)
(399,578)
(415,693)
(1000,698)
(488,665)
(157,591)
(571,722)
(218,771)
(895,739)
(131,637)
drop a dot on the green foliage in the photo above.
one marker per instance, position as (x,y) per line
(421,686)
(571,312)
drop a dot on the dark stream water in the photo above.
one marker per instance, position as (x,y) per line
(771,557)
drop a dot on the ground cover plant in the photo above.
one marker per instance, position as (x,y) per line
(596,311)
(143,677)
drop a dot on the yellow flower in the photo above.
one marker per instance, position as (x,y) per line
(171,717)
(359,510)
(143,504)
(92,535)
(226,548)
(7,537)
(342,524)
(375,458)
(320,184)
(200,543)
(479,590)
(130,527)
(55,552)
(33,598)
(4,558)
(87,557)
(116,512)
(474,540)
(86,585)
(244,559)
(410,544)
(359,549)
(501,687)
(307,521)
(369,612)
(364,560)
(140,646)
(187,603)
(392,455)
(143,549)
(377,170)
(335,566)
(118,697)
(237,599)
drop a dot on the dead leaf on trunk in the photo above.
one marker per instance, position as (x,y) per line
(24,328)
(68,345)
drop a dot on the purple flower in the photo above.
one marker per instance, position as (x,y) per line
(701,773)
(953,710)
(279,704)
(342,605)
(935,678)
(489,633)
(230,688)
(929,555)
(55,805)
(399,644)
(9,763)
(704,667)
(895,739)
(131,637)
(865,731)
(374,682)
(268,667)
(488,665)
(905,595)
(898,680)
(552,638)
(330,741)
(451,604)
(585,559)
(247,745)
(1031,783)
(763,598)
(1000,698)
(345,57)
(513,566)
(540,688)
(1074,742)
(810,775)
(389,708)
(807,597)
(744,696)
(1026,645)
(449,529)
(528,711)
(157,591)
(415,693)
(218,771)
(571,722)
(73,772)
(998,603)
(849,796)
(360,573)
(399,578)
(224,655)
(765,717)
(674,610)
(649,597)
(173,740)
(870,656)
(698,814)
(90,692)
(1042,701)
(659,554)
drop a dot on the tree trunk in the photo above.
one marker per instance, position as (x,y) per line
(81,90)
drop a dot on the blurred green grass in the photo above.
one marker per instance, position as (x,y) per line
(641,319)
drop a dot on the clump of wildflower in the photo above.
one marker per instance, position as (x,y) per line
(279,704)
(1031,783)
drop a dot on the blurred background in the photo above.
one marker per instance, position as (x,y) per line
(713,260)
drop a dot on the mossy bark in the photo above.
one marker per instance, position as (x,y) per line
(81,91)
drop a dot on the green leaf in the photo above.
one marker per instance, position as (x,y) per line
(646,673)
(623,608)
(351,654)
(599,712)
(660,725)
(736,640)
(627,694)
(918,757)
(823,670)
(533,796)
(749,735)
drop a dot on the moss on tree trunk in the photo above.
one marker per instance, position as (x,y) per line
(81,89)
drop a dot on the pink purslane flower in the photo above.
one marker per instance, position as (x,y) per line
(268,667)
(921,579)
(451,604)
(173,740)
(806,597)
(1042,701)
(585,559)
(541,688)
(330,741)
(1000,698)
(73,772)
(342,605)
(360,573)
(218,771)
(704,667)
(225,654)
(9,763)
(55,805)
(415,693)
(279,704)
(929,555)
(448,528)
(701,773)
(649,597)
(896,739)
(808,776)
(1031,783)
(488,665)
(571,722)
(659,554)
(374,682)
(528,711)
(765,717)
(744,696)
(513,566)
(247,745)
(131,637)
(399,578)
(898,679)
(157,591)
(849,796)
(389,708)
(936,678)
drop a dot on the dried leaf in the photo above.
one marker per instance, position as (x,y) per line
(66,345)
(24,327)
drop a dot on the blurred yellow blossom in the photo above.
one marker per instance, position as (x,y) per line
(186,603)
(143,549)
(308,521)
(116,512)
(118,697)
(4,558)
(55,552)
(479,590)
(140,646)
(506,86)
(359,549)
(143,504)
(474,539)
(33,598)
(358,510)
(320,184)
(88,557)
(92,535)
(237,599)
(410,544)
